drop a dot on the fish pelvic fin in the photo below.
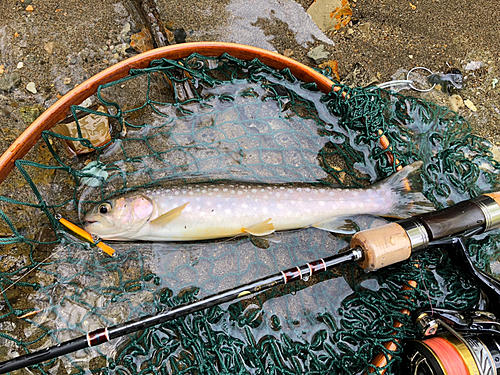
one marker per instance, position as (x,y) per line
(264,228)
(167,217)
(406,192)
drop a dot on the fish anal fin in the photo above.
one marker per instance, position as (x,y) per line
(264,228)
(338,225)
(167,217)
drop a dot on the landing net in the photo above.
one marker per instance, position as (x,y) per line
(203,119)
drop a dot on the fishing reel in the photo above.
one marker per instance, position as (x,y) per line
(459,342)
(455,343)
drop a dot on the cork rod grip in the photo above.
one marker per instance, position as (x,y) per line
(382,246)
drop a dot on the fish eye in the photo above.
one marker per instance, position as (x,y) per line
(104,208)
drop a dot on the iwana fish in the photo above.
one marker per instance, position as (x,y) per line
(207,211)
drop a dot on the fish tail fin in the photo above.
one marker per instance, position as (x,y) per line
(405,189)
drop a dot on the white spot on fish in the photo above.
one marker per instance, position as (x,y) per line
(254,190)
(216,189)
(240,192)
(191,193)
(233,192)
(204,191)
(224,190)
(177,193)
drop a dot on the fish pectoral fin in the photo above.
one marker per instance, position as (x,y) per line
(167,217)
(264,228)
(338,225)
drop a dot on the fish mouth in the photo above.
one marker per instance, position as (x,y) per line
(89,222)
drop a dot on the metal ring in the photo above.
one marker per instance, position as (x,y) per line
(491,211)
(411,84)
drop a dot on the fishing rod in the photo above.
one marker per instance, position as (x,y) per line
(372,249)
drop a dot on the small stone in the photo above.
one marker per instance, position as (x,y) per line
(180,35)
(67,81)
(468,103)
(288,52)
(365,28)
(455,102)
(410,56)
(474,65)
(330,14)
(31,113)
(2,69)
(29,8)
(116,56)
(9,81)
(49,47)
(114,50)
(31,87)
(20,65)
(16,35)
(125,29)
(318,54)
(72,60)
(105,48)
(349,31)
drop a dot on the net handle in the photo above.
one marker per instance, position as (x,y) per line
(59,110)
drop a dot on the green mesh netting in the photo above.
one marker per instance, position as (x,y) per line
(211,119)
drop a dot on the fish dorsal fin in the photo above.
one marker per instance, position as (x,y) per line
(263,228)
(167,217)
(338,225)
